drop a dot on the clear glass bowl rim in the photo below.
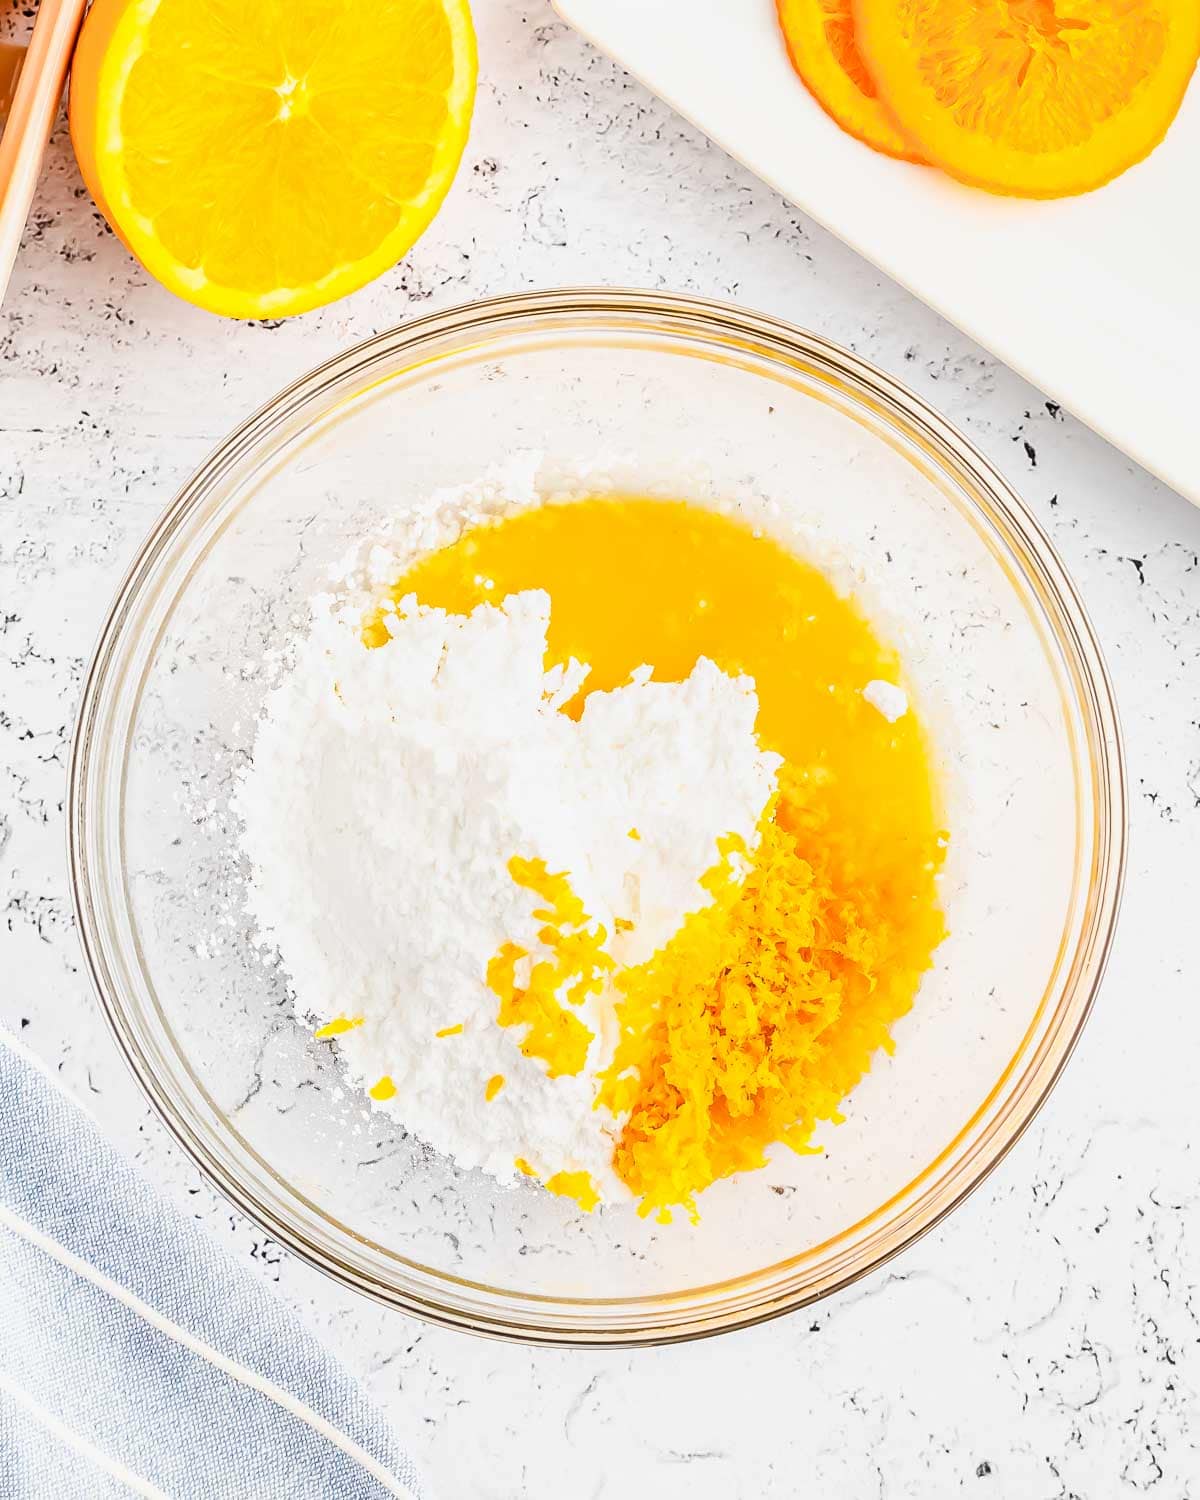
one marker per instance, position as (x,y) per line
(966,1161)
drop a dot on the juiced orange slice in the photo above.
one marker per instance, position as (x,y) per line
(1038,98)
(261,157)
(823,49)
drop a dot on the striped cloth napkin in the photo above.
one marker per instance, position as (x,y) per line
(136,1358)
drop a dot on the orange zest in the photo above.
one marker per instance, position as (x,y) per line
(577,1186)
(263,159)
(1038,98)
(575,967)
(764,1010)
(337,1027)
(824,51)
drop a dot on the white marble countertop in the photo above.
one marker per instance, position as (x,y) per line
(1041,1343)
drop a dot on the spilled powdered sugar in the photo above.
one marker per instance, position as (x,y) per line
(389,789)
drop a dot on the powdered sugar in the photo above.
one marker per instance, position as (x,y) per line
(886,698)
(389,788)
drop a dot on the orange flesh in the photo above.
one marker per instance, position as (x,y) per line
(266,158)
(1040,98)
(766,1008)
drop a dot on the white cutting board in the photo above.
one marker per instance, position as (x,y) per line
(1094,299)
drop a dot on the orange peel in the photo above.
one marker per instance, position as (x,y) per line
(821,43)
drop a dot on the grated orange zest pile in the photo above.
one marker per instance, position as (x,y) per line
(576,967)
(759,1016)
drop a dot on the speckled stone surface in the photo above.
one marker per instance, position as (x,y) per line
(1041,1343)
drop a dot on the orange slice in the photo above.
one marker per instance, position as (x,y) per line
(1039,98)
(263,158)
(824,51)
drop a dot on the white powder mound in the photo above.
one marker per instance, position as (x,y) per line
(387,792)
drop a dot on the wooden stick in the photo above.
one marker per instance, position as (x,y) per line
(11,58)
(31,118)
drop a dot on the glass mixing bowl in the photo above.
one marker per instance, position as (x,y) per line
(659,395)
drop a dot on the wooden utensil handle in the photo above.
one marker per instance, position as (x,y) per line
(34,105)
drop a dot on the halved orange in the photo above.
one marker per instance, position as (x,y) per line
(261,157)
(1038,98)
(823,49)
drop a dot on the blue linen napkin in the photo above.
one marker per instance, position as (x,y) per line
(135,1356)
